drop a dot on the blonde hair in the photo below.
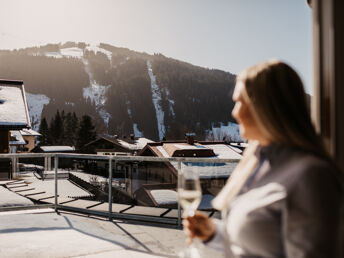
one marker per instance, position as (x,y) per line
(276,99)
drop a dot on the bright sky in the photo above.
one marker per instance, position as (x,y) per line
(223,34)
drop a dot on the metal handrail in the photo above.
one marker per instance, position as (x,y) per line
(110,159)
(117,158)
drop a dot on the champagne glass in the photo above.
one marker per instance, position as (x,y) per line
(189,196)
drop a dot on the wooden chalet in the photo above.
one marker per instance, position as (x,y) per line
(154,175)
(14,115)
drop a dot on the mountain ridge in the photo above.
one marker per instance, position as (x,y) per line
(123,90)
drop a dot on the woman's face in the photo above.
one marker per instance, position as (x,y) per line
(248,127)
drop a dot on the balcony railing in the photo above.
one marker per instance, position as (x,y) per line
(114,165)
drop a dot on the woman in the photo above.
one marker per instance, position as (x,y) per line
(283,199)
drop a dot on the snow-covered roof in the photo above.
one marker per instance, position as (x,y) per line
(164,196)
(19,138)
(57,148)
(223,151)
(170,197)
(138,143)
(13,108)
(29,132)
(211,169)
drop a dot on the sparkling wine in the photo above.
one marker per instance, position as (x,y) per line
(189,199)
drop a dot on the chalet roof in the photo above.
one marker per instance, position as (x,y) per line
(164,196)
(206,170)
(14,112)
(170,197)
(19,140)
(136,144)
(29,132)
(133,145)
(187,150)
(57,148)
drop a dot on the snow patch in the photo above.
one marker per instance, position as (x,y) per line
(229,132)
(128,108)
(96,49)
(156,97)
(57,148)
(70,103)
(96,93)
(171,103)
(36,103)
(53,54)
(104,115)
(137,132)
(72,52)
(138,143)
(164,196)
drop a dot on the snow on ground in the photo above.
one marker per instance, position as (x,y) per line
(128,108)
(96,49)
(231,131)
(70,103)
(36,103)
(171,102)
(96,93)
(156,97)
(137,132)
(53,54)
(72,52)
(10,199)
(67,52)
(164,196)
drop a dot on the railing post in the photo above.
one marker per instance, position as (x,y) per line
(56,163)
(13,167)
(45,163)
(49,163)
(179,209)
(110,187)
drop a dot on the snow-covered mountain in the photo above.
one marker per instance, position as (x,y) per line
(124,91)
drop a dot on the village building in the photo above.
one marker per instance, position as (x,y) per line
(14,115)
(53,149)
(30,137)
(155,183)
(23,140)
(17,141)
(106,145)
(112,146)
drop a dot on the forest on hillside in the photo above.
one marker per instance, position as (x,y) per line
(192,98)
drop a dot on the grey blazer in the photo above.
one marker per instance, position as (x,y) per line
(291,208)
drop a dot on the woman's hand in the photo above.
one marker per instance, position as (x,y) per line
(199,225)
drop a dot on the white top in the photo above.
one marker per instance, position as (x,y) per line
(28,132)
(19,138)
(13,108)
(57,148)
(164,196)
(211,170)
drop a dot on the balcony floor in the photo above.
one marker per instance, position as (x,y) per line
(44,233)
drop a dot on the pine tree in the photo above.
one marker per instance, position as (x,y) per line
(86,132)
(56,129)
(44,131)
(71,127)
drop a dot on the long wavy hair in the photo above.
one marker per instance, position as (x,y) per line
(276,99)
